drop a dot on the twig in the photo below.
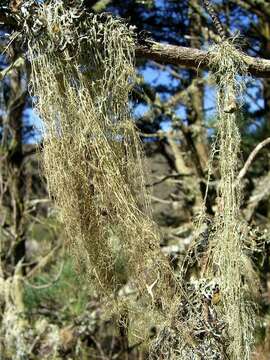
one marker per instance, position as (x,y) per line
(156,199)
(261,191)
(211,11)
(16,64)
(99,347)
(166,68)
(164,178)
(43,262)
(158,134)
(251,157)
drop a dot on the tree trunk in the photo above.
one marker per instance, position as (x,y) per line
(12,164)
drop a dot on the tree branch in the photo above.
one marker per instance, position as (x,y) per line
(194,58)
(251,157)
(171,54)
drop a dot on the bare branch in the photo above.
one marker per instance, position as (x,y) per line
(251,157)
(43,262)
(16,64)
(170,176)
(261,192)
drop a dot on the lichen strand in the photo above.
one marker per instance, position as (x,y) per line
(214,316)
(82,74)
(228,259)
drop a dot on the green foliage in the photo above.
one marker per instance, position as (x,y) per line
(67,295)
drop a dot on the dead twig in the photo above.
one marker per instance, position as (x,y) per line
(251,158)
(170,176)
(43,262)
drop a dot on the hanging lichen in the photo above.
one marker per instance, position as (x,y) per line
(228,260)
(82,74)
(214,317)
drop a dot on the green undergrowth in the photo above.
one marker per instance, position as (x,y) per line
(67,295)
